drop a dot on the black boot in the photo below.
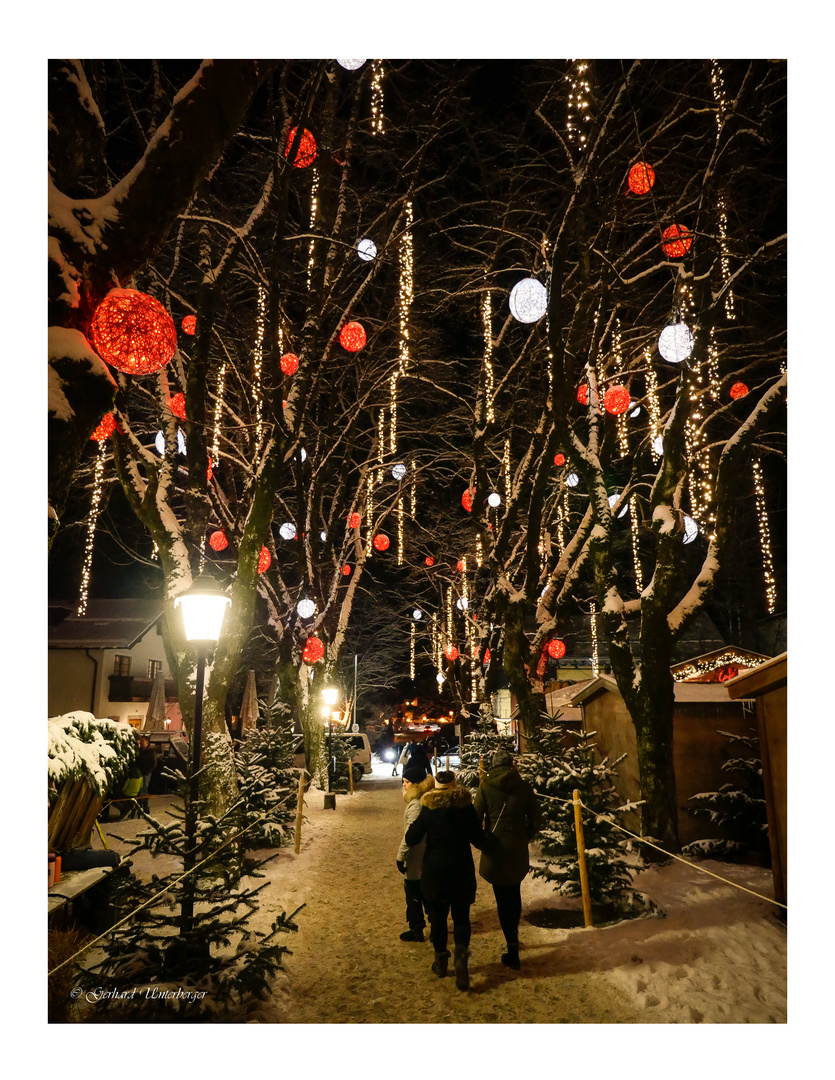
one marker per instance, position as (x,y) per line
(462,976)
(412,935)
(440,963)
(511,957)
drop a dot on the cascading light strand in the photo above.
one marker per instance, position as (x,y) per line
(765,538)
(220,390)
(633,522)
(718,84)
(578,114)
(412,653)
(314,205)
(92,519)
(377,119)
(724,260)
(400,532)
(653,408)
(413,491)
(595,653)
(489,377)
(258,361)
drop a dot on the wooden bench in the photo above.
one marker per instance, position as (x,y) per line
(72,885)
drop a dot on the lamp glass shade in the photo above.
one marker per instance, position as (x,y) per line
(203,607)
(330,695)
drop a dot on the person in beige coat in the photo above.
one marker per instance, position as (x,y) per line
(416,782)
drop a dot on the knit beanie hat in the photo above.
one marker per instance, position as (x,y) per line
(445,779)
(414,774)
(500,757)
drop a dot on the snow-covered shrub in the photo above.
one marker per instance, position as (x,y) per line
(79,745)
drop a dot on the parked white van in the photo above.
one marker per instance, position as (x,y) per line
(360,752)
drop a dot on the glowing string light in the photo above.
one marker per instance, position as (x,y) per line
(719,96)
(561,528)
(413,491)
(506,469)
(412,653)
(258,356)
(725,261)
(400,532)
(314,188)
(633,522)
(578,104)
(479,552)
(92,518)
(595,657)
(489,380)
(653,408)
(621,421)
(377,97)
(219,392)
(765,538)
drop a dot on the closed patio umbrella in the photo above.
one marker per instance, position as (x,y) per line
(249,705)
(155,716)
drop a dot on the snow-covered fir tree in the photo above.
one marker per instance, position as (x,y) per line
(556,764)
(478,747)
(737,808)
(267,782)
(184,936)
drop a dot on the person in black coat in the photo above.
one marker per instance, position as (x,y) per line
(449,824)
(418,758)
(507,807)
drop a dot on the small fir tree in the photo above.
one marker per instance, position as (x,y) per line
(478,748)
(189,949)
(737,808)
(267,781)
(557,763)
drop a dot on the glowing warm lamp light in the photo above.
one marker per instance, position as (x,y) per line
(528,300)
(203,606)
(330,695)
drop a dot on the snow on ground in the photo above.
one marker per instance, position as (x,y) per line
(718,957)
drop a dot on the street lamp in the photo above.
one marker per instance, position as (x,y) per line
(330,695)
(203,606)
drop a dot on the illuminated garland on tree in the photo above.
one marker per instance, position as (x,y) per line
(578,105)
(725,262)
(704,667)
(595,657)
(92,518)
(653,408)
(314,187)
(718,85)
(621,421)
(377,97)
(633,524)
(413,492)
(412,653)
(399,531)
(765,538)
(258,357)
(479,551)
(489,380)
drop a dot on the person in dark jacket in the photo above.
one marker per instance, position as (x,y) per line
(147,761)
(449,824)
(418,758)
(510,814)
(410,859)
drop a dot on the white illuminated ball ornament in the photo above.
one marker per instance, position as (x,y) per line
(305,608)
(366,249)
(636,412)
(675,343)
(287,531)
(494,499)
(613,499)
(159,443)
(440,679)
(691,530)
(417,614)
(350,65)
(572,479)
(528,300)
(398,471)
(461,603)
(658,445)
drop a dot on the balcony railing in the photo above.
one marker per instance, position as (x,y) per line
(137,688)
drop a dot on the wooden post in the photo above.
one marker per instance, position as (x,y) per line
(447,763)
(581,857)
(435,756)
(299,812)
(351,776)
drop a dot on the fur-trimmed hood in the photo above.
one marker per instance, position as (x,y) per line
(441,798)
(417,791)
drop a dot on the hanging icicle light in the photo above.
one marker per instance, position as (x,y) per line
(92,518)
(633,524)
(306,608)
(675,343)
(691,530)
(528,300)
(398,471)
(765,537)
(377,97)
(595,656)
(366,249)
(287,531)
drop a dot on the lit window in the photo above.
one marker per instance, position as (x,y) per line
(121,665)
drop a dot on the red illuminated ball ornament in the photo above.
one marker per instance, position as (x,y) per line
(555,648)
(346,570)
(218,541)
(381,542)
(467,500)
(676,241)
(313,650)
(209,473)
(306,152)
(616,400)
(583,394)
(429,560)
(264,560)
(459,566)
(641,178)
(352,336)
(738,390)
(133,332)
(451,654)
(486,659)
(289,363)
(559,459)
(177,405)
(354,521)
(189,325)
(106,428)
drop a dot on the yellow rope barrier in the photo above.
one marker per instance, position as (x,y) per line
(669,854)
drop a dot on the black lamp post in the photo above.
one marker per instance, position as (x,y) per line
(203,606)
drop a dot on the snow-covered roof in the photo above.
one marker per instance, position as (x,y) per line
(106,624)
(684,691)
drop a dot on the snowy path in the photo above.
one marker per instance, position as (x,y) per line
(349,966)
